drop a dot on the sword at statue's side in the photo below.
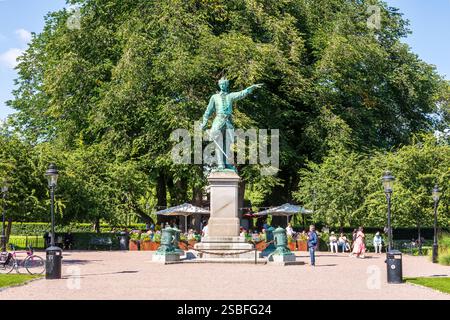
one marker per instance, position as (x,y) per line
(221,150)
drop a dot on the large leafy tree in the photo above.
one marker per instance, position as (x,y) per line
(138,69)
(345,189)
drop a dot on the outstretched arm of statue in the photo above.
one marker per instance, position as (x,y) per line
(209,111)
(242,94)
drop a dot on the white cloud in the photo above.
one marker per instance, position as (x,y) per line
(9,58)
(24,35)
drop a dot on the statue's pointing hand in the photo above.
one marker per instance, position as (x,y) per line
(256,86)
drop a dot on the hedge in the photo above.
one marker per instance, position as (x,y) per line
(80,240)
(39,228)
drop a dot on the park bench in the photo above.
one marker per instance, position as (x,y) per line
(100,242)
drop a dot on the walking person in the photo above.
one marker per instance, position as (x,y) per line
(312,243)
(359,247)
(353,241)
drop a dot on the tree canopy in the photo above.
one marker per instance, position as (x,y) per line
(103,99)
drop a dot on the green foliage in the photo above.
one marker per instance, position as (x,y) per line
(145,237)
(345,189)
(102,100)
(39,228)
(444,249)
(135,236)
(444,259)
(22,242)
(444,241)
(82,239)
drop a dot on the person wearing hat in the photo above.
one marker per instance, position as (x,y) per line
(377,242)
(333,242)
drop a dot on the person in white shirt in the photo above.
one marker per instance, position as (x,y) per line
(205,230)
(343,243)
(377,242)
(289,230)
(333,242)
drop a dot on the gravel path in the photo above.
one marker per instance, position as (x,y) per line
(131,275)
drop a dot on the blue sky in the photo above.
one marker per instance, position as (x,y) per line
(429,21)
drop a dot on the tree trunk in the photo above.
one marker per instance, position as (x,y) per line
(197,200)
(161,195)
(144,216)
(177,191)
(419,238)
(97,225)
(8,229)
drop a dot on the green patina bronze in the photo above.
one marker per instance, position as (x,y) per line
(280,240)
(269,237)
(176,240)
(167,242)
(222,104)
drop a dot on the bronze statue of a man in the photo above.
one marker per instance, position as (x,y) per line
(222,128)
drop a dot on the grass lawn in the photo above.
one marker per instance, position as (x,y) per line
(7,280)
(438,283)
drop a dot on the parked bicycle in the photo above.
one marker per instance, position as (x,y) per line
(32,263)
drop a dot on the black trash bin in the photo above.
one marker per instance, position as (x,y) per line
(394,266)
(123,240)
(53,263)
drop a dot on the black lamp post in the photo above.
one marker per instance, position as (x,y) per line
(4,194)
(388,181)
(436,195)
(52,177)
(53,253)
(393,257)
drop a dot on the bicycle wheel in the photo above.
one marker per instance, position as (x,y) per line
(7,265)
(34,264)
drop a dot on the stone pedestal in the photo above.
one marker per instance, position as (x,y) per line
(223,240)
(167,257)
(224,220)
(282,258)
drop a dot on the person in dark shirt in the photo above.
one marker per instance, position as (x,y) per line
(312,244)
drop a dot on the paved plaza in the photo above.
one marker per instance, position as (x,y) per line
(132,275)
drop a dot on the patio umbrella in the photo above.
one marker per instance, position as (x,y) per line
(286,210)
(185,209)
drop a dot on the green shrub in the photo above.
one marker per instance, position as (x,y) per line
(444,259)
(135,236)
(39,228)
(22,242)
(81,239)
(444,241)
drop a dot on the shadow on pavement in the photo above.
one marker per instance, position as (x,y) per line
(98,274)
(75,261)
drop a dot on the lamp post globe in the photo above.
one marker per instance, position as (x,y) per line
(53,253)
(4,194)
(52,175)
(436,193)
